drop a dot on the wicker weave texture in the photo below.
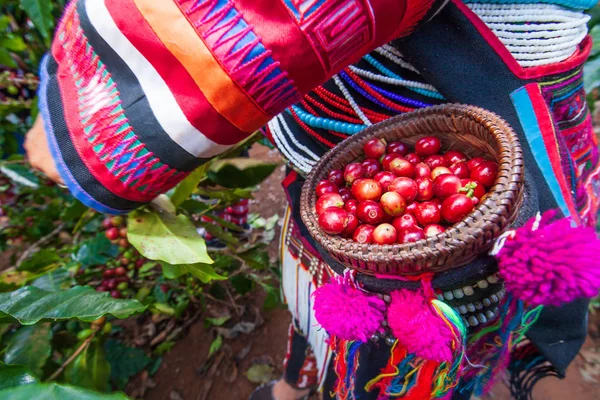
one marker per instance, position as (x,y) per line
(472,130)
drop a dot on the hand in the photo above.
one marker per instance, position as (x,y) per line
(38,151)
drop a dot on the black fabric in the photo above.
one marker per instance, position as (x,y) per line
(298,346)
(76,165)
(452,55)
(135,103)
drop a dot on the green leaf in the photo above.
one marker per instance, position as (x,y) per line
(256,258)
(20,175)
(124,361)
(15,375)
(240,172)
(13,43)
(219,232)
(40,13)
(30,305)
(90,369)
(215,345)
(595,33)
(163,204)
(96,251)
(54,391)
(224,223)
(6,58)
(165,237)
(164,347)
(54,281)
(273,297)
(204,272)
(591,74)
(29,346)
(187,186)
(218,321)
(260,373)
(194,206)
(39,261)
(241,284)
(228,196)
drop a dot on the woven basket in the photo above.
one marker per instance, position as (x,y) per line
(472,130)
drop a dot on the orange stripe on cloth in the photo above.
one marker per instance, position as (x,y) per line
(180,38)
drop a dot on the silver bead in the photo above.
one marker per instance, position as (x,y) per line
(473,321)
(390,340)
(490,314)
(494,298)
(448,296)
(492,279)
(483,284)
(481,318)
(458,293)
(487,302)
(478,305)
(471,307)
(462,309)
(469,290)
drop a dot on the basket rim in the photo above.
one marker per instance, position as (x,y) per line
(510,162)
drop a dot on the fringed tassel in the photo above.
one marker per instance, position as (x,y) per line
(345,364)
(426,360)
(489,348)
(526,368)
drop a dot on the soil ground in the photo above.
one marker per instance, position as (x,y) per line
(185,375)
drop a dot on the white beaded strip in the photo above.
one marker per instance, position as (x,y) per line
(535,34)
(297,159)
(351,100)
(391,81)
(305,149)
(389,51)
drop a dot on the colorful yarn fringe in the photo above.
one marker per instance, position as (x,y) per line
(409,376)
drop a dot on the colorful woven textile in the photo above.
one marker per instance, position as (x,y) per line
(137,93)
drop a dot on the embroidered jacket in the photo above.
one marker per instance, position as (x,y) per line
(137,93)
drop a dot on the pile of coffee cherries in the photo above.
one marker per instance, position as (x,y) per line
(399,196)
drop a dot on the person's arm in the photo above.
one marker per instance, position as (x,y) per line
(136,94)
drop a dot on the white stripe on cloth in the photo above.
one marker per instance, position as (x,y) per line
(535,34)
(162,102)
(298,287)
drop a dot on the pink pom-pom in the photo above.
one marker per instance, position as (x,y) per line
(551,263)
(417,326)
(347,312)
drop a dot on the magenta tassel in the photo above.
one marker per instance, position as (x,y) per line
(418,327)
(553,264)
(346,312)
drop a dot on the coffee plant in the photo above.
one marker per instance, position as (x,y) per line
(71,277)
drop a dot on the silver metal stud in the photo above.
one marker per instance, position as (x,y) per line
(390,340)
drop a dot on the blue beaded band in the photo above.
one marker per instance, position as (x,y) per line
(429,93)
(326,123)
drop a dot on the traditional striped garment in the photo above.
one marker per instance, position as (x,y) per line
(137,93)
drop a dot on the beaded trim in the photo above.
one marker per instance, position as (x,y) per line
(535,34)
